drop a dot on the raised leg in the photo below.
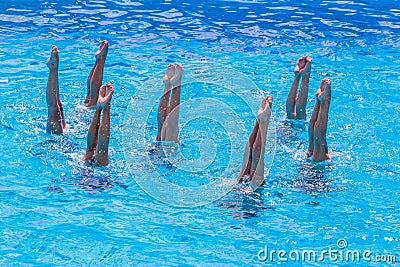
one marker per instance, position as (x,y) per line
(247,159)
(101,154)
(320,152)
(99,129)
(55,118)
(311,125)
(164,101)
(257,167)
(63,124)
(97,74)
(60,106)
(295,107)
(256,153)
(253,162)
(87,99)
(291,99)
(171,133)
(92,137)
(301,101)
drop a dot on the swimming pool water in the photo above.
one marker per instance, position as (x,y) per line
(55,212)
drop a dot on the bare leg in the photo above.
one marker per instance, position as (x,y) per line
(171,133)
(88,83)
(164,102)
(55,116)
(60,106)
(256,153)
(101,154)
(97,75)
(246,166)
(313,119)
(257,163)
(92,137)
(302,70)
(301,101)
(253,162)
(63,124)
(320,152)
(291,99)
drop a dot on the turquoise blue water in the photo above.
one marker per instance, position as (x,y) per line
(56,212)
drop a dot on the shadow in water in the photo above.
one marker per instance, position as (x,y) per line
(62,155)
(92,180)
(244,203)
(315,178)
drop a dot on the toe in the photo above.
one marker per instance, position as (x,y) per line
(269,100)
(179,66)
(263,104)
(102,91)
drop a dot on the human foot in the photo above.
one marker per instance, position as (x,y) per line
(264,113)
(176,79)
(103,49)
(105,95)
(169,73)
(303,66)
(323,94)
(52,61)
(89,157)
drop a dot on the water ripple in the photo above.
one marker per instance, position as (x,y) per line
(56,211)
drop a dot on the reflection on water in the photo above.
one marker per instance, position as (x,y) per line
(356,44)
